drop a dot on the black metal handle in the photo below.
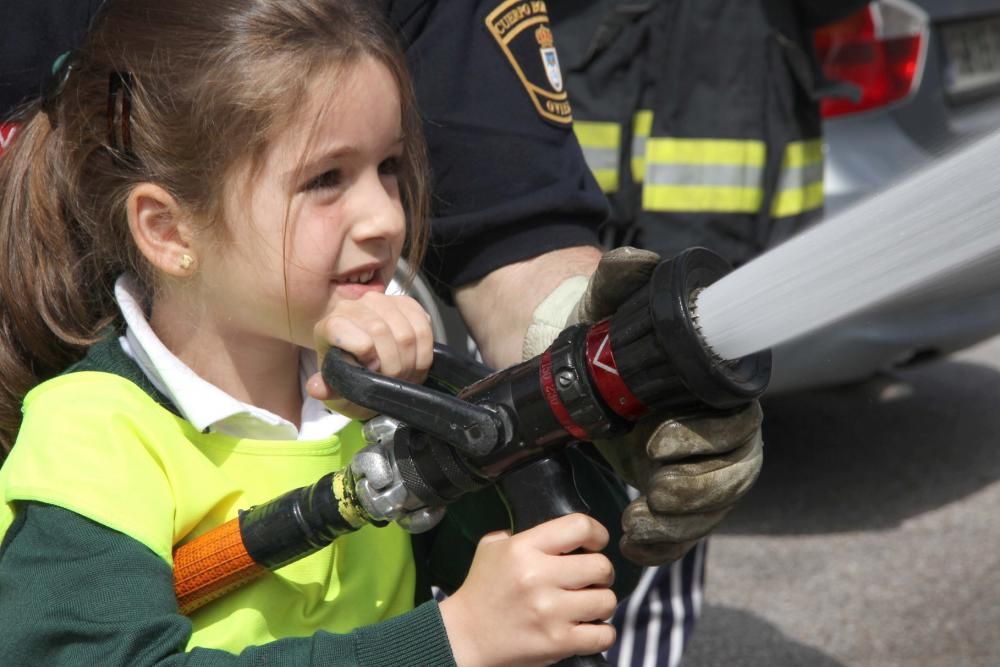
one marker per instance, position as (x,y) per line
(452,372)
(470,428)
(538,492)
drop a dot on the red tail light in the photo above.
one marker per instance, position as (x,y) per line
(879,50)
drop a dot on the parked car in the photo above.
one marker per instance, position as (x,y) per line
(927,79)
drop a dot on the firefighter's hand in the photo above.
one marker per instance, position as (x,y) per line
(690,472)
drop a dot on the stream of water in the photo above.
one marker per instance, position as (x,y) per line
(934,227)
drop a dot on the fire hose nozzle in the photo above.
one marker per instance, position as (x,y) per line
(659,351)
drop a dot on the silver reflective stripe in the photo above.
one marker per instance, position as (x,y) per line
(728,175)
(703,175)
(601,158)
(601,144)
(639,157)
(800,187)
(642,127)
(799,177)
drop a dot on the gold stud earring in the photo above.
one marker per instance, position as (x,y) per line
(186,261)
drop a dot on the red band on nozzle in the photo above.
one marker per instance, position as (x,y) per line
(604,372)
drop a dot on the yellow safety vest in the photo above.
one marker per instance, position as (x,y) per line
(96,444)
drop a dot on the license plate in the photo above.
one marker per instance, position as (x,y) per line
(972,49)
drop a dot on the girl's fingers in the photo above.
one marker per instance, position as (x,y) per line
(592,638)
(411,333)
(346,335)
(566,534)
(423,339)
(395,340)
(352,410)
(554,612)
(588,605)
(495,536)
(349,335)
(388,334)
(583,570)
(317,387)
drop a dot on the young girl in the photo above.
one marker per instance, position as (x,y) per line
(208,195)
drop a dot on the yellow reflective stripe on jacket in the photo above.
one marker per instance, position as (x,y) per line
(601,143)
(642,127)
(667,198)
(696,175)
(800,188)
(703,175)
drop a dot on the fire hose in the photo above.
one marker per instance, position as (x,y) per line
(508,428)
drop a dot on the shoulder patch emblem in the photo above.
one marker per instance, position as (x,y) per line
(521,28)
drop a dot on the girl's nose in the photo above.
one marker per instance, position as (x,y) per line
(378,209)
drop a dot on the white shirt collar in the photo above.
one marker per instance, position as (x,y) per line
(207,407)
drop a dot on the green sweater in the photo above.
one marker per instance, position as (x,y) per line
(74,592)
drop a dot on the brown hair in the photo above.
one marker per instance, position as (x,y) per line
(211,84)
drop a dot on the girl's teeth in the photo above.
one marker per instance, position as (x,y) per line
(364,278)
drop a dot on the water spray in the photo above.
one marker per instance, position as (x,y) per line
(925,233)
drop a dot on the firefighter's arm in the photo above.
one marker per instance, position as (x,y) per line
(500,308)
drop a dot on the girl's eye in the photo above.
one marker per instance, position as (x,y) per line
(326,180)
(390,167)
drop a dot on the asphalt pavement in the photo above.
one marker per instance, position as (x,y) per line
(873,535)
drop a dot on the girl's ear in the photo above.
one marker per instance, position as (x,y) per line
(162,229)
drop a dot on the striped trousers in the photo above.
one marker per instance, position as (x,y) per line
(656,621)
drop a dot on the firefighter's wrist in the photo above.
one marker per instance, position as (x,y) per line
(552,314)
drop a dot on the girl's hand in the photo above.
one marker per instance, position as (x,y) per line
(528,600)
(388,334)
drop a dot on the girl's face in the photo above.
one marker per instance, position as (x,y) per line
(306,232)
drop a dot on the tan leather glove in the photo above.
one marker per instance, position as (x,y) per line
(690,471)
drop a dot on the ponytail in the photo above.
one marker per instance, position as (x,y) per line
(52,305)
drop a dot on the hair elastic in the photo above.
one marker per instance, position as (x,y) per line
(55,82)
